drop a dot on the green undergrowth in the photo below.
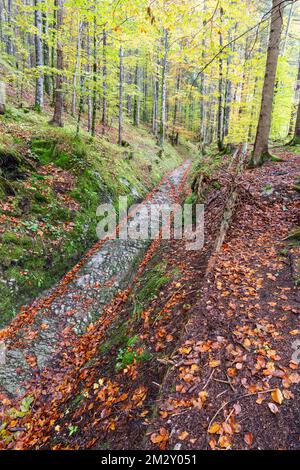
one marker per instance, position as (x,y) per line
(51,183)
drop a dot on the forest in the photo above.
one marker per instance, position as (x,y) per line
(147,342)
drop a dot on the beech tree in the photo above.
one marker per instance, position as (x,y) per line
(58,102)
(261,146)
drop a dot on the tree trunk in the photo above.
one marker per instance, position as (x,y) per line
(89,116)
(137,98)
(261,146)
(155,105)
(76,69)
(121,71)
(284,42)
(58,103)
(94,112)
(220,98)
(296,138)
(104,104)
(145,97)
(82,82)
(162,133)
(9,44)
(39,87)
(175,133)
(46,54)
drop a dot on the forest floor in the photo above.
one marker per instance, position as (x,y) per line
(195,357)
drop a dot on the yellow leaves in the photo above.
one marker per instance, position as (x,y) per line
(277,396)
(224,442)
(215,428)
(270,276)
(182,436)
(214,363)
(185,350)
(200,402)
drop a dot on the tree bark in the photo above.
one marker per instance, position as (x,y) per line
(58,103)
(296,138)
(9,44)
(121,79)
(284,42)
(94,112)
(104,104)
(220,98)
(76,69)
(162,133)
(39,87)
(46,54)
(261,146)
(137,98)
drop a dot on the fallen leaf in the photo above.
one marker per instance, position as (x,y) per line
(277,396)
(273,408)
(248,438)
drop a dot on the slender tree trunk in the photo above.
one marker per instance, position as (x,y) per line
(220,98)
(89,116)
(145,94)
(261,146)
(81,82)
(284,42)
(137,98)
(76,69)
(121,72)
(58,104)
(53,56)
(296,138)
(104,104)
(39,87)
(162,133)
(94,113)
(175,133)
(46,54)
(9,43)
(155,103)
(295,104)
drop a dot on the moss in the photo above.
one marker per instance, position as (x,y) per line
(40,197)
(155,279)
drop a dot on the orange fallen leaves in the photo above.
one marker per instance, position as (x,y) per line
(277,396)
(161,438)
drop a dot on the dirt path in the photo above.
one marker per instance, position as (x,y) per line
(234,382)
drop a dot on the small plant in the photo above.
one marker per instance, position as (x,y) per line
(72,429)
(127,355)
